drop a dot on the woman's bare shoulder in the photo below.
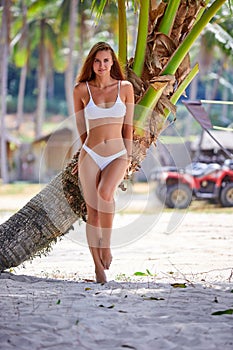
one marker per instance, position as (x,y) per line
(127,87)
(80,87)
(126,83)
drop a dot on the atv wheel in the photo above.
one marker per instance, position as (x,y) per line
(161,191)
(226,196)
(178,196)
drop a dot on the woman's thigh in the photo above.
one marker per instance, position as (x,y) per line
(89,174)
(112,176)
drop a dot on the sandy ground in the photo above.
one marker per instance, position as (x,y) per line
(187,259)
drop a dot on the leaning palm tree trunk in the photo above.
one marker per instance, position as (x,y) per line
(162,80)
(31,231)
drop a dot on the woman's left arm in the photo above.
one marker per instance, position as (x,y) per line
(127,130)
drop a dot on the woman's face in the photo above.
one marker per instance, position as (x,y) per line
(102,63)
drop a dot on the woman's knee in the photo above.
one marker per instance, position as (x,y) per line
(93,216)
(105,193)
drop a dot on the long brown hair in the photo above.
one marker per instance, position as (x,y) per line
(87,73)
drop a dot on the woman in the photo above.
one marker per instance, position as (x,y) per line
(104,104)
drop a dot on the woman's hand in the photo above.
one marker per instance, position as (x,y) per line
(75,170)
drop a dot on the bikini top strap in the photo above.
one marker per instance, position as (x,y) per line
(89,90)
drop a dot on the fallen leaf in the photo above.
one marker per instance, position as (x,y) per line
(140,273)
(148,272)
(179,285)
(223,312)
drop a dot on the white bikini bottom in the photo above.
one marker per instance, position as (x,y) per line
(102,161)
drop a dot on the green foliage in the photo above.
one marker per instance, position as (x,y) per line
(179,285)
(123,41)
(57,106)
(169,17)
(63,16)
(141,274)
(98,7)
(29,104)
(56,16)
(43,8)
(142,37)
(185,46)
(53,106)
(21,56)
(223,312)
(11,104)
(122,277)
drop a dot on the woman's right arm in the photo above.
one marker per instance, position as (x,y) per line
(78,94)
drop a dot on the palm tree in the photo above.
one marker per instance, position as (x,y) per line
(20,56)
(4,52)
(160,73)
(68,12)
(42,41)
(72,17)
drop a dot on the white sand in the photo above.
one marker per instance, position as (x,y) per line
(47,304)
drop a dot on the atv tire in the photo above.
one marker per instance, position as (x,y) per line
(161,191)
(178,196)
(226,196)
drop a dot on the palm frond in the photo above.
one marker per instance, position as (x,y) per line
(122,25)
(142,36)
(97,7)
(221,35)
(185,46)
(169,17)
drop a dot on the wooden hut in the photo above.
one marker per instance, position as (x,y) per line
(51,154)
(13,145)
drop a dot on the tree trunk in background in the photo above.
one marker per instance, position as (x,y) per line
(23,73)
(193,89)
(69,74)
(192,96)
(225,97)
(211,94)
(22,85)
(41,104)
(4,50)
(42,84)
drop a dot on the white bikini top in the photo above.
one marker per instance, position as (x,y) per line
(92,111)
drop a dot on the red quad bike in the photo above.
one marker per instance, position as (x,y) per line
(177,187)
(213,181)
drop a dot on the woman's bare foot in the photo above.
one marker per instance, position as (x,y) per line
(100,276)
(106,257)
